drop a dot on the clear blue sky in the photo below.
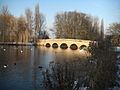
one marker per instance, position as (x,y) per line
(109,10)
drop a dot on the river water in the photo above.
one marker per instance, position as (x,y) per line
(26,63)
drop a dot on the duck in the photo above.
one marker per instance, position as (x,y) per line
(51,62)
(14,63)
(40,67)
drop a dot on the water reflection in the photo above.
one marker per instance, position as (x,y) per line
(23,72)
(64,54)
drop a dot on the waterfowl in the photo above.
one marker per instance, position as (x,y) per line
(40,67)
(14,63)
(51,62)
(5,65)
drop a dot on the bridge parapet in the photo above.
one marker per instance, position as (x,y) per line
(69,42)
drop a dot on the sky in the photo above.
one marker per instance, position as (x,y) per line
(109,10)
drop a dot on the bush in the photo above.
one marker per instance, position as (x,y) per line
(97,72)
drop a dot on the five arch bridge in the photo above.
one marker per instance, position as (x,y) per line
(64,43)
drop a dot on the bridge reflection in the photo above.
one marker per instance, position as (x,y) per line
(65,54)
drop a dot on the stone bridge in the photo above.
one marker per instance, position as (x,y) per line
(68,43)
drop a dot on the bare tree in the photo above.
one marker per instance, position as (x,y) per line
(8,25)
(23,30)
(39,21)
(114,32)
(76,25)
(102,29)
(114,29)
(3,22)
(4,10)
(29,18)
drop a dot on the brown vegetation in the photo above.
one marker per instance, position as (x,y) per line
(22,29)
(97,72)
(77,25)
(114,33)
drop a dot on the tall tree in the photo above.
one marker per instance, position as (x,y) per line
(3,22)
(102,29)
(12,22)
(8,25)
(23,31)
(29,18)
(39,21)
(4,10)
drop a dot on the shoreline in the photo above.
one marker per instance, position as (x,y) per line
(17,44)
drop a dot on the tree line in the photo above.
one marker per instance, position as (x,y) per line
(113,32)
(26,28)
(78,26)
(71,24)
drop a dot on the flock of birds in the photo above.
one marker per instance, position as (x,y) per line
(6,65)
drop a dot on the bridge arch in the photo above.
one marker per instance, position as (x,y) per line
(55,45)
(77,43)
(64,46)
(47,45)
(83,47)
(73,46)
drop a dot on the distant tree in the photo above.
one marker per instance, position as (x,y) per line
(95,29)
(3,22)
(29,18)
(39,20)
(76,25)
(102,29)
(23,31)
(12,29)
(4,10)
(8,25)
(114,31)
(45,35)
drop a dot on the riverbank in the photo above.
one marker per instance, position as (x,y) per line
(18,44)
